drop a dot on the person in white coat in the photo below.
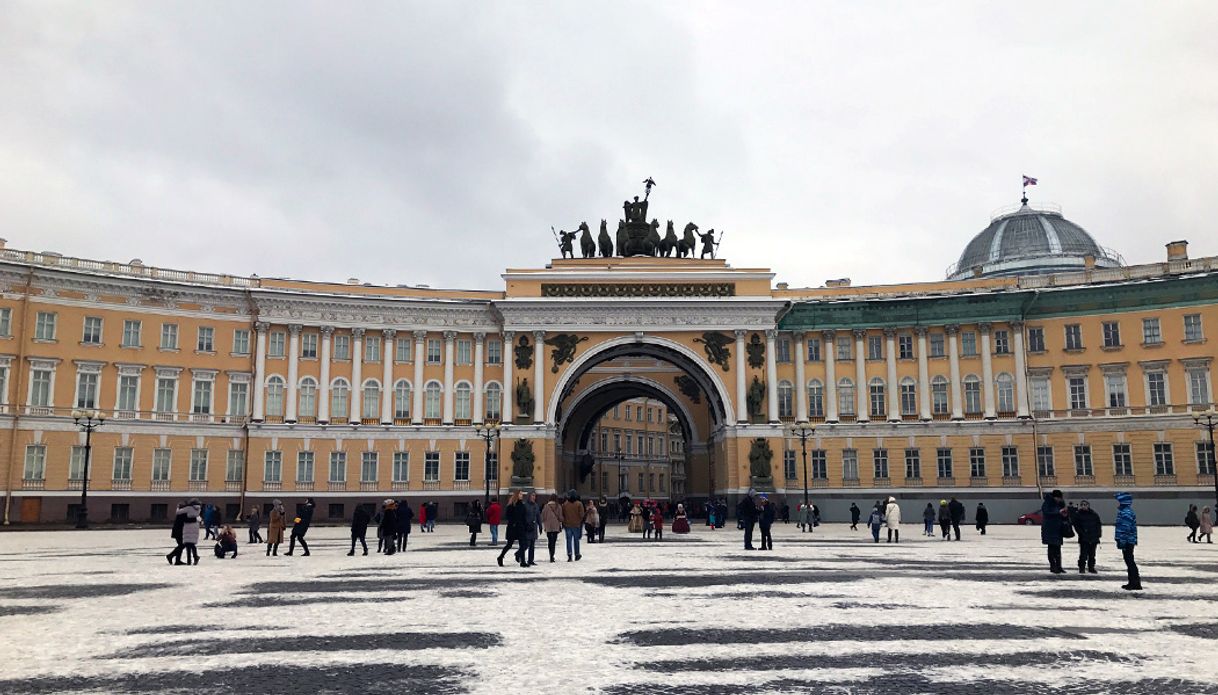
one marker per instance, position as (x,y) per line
(892,515)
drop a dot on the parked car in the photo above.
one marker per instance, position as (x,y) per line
(1032,518)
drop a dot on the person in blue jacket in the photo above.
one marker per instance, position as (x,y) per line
(1052,521)
(1126,533)
(875,521)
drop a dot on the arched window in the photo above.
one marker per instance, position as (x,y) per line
(938,396)
(845,396)
(875,391)
(431,400)
(463,402)
(307,400)
(274,396)
(972,394)
(494,402)
(340,399)
(909,397)
(401,400)
(784,399)
(1006,392)
(371,404)
(816,399)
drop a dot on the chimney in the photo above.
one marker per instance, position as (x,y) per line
(1177,250)
(352,281)
(840,282)
(783,286)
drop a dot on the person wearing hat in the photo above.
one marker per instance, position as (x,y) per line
(300,527)
(746,513)
(274,529)
(1126,533)
(892,517)
(874,521)
(387,532)
(1089,529)
(945,520)
(982,516)
(765,521)
(473,521)
(405,520)
(1053,521)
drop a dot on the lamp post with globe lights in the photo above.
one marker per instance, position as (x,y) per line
(489,432)
(803,431)
(1208,420)
(87,421)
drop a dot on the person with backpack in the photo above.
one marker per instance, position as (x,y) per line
(1126,534)
(874,521)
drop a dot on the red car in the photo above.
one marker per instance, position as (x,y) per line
(1030,519)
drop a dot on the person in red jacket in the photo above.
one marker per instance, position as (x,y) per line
(494,514)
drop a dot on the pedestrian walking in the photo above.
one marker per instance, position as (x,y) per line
(945,520)
(494,514)
(1126,533)
(786,513)
(473,521)
(765,521)
(721,513)
(855,513)
(1193,522)
(226,542)
(892,517)
(190,530)
(1089,529)
(551,523)
(1051,525)
(928,520)
(300,527)
(957,512)
(710,514)
(1206,526)
(423,518)
(572,521)
(532,524)
(387,530)
(592,521)
(359,528)
(680,524)
(514,516)
(602,518)
(982,516)
(647,519)
(254,519)
(177,532)
(405,520)
(746,513)
(874,521)
(805,518)
(433,515)
(815,515)
(274,530)
(636,519)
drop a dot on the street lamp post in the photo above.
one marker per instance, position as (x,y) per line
(1207,420)
(489,432)
(803,431)
(86,420)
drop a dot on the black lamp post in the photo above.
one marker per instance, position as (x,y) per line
(87,420)
(803,431)
(1207,420)
(489,432)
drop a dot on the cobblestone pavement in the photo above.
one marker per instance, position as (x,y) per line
(695,615)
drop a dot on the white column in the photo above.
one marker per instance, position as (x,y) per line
(829,347)
(987,373)
(923,376)
(260,371)
(771,376)
(953,356)
(893,389)
(860,376)
(539,378)
(387,356)
(420,356)
(357,375)
(1021,371)
(293,371)
(450,341)
(479,342)
(801,385)
(742,407)
(509,385)
(323,393)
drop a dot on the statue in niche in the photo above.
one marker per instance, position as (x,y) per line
(522,463)
(524,399)
(689,388)
(756,352)
(760,471)
(524,353)
(564,348)
(716,346)
(756,397)
(604,242)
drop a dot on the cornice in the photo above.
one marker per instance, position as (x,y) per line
(593,315)
(379,313)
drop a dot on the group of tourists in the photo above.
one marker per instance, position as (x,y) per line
(1060,521)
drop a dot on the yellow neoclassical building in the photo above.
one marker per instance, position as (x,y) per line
(1043,360)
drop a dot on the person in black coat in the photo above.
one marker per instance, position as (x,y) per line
(1089,529)
(405,519)
(473,521)
(746,513)
(1052,512)
(956,509)
(514,515)
(765,519)
(359,528)
(721,514)
(179,521)
(983,517)
(301,527)
(387,531)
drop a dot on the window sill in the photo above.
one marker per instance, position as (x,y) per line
(1194,341)
(1037,352)
(6,337)
(1112,348)
(92,345)
(304,358)
(46,341)
(167,349)
(275,357)
(209,353)
(132,347)
(238,354)
(1156,344)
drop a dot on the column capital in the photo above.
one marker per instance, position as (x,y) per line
(509,336)
(450,335)
(890,332)
(921,331)
(799,335)
(480,338)
(1017,325)
(419,335)
(829,334)
(985,327)
(389,333)
(860,333)
(261,326)
(771,333)
(327,331)
(539,335)
(740,333)
(358,333)
(295,328)
(952,328)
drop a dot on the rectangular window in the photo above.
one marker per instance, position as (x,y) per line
(879,462)
(936,345)
(943,458)
(1077,387)
(1112,334)
(850,464)
(1205,458)
(814,350)
(6,322)
(1074,336)
(272,467)
(1198,387)
(493,468)
(913,464)
(166,395)
(241,341)
(1082,460)
(86,390)
(465,351)
(206,339)
(1164,464)
(494,352)
(308,346)
(92,334)
(819,459)
(131,333)
(431,467)
(968,343)
(788,464)
(905,347)
(875,347)
(1156,388)
(162,464)
(401,466)
(1010,462)
(304,466)
(1192,328)
(127,387)
(629,442)
(1122,460)
(123,457)
(1151,333)
(342,347)
(76,464)
(876,396)
(976,462)
(275,344)
(372,348)
(234,466)
(40,387)
(338,467)
(44,326)
(198,465)
(1114,384)
(169,336)
(1044,462)
(782,349)
(435,354)
(402,350)
(238,399)
(1002,343)
(845,344)
(461,466)
(1036,340)
(369,461)
(35,462)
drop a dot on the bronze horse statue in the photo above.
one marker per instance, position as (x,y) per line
(669,243)
(689,242)
(587,247)
(603,240)
(622,238)
(652,247)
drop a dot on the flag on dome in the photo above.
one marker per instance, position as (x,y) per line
(1028,180)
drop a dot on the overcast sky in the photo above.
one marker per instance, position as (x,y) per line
(437,142)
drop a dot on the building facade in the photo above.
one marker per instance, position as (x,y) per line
(1074,371)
